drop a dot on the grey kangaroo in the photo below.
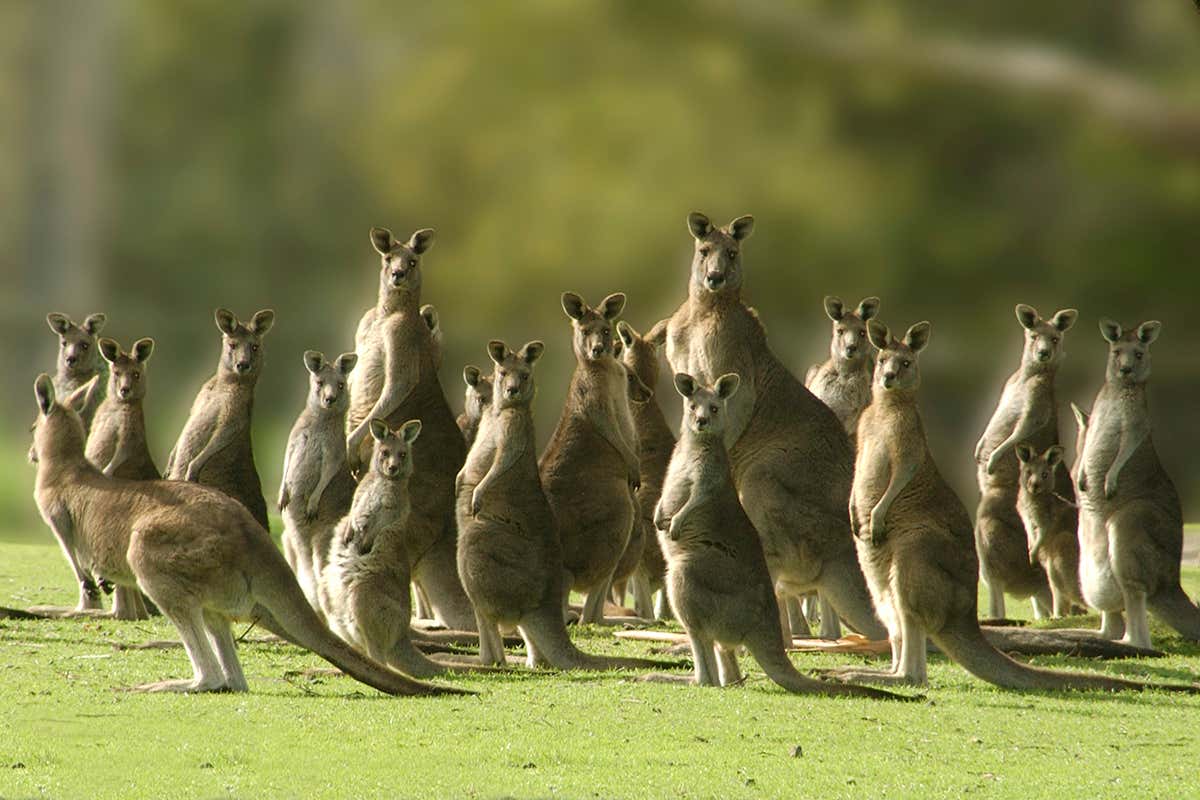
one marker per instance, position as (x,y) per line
(1050,522)
(475,402)
(79,359)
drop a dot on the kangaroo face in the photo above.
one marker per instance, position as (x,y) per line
(717,258)
(592,329)
(1037,470)
(327,381)
(479,392)
(1044,338)
(896,362)
(401,261)
(704,406)
(849,341)
(393,449)
(76,343)
(241,343)
(1128,351)
(638,354)
(512,381)
(127,371)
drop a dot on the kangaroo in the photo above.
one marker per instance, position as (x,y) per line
(1027,412)
(590,468)
(844,381)
(116,443)
(77,359)
(214,447)
(433,322)
(475,403)
(396,380)
(1132,540)
(317,486)
(509,555)
(791,458)
(717,576)
(1051,523)
(197,553)
(1099,588)
(915,541)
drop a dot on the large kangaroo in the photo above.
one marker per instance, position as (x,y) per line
(791,458)
(1131,523)
(396,380)
(196,552)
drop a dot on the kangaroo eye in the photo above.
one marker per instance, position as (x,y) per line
(341,384)
(714,409)
(692,406)
(137,375)
(1054,340)
(906,363)
(704,251)
(861,334)
(321,384)
(840,331)
(524,377)
(606,333)
(412,262)
(84,346)
(254,348)
(402,456)
(232,346)
(63,341)
(731,253)
(1138,356)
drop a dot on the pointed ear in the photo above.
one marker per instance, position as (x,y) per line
(1110,330)
(657,335)
(1064,319)
(346,362)
(471,375)
(379,430)
(1027,316)
(626,332)
(78,399)
(1054,456)
(43,391)
(878,333)
(868,308)
(143,349)
(313,361)
(59,323)
(262,322)
(742,227)
(1081,416)
(833,308)
(421,240)
(1147,332)
(430,315)
(381,240)
(410,430)
(699,225)
(109,349)
(94,323)
(1025,452)
(573,305)
(685,384)
(727,385)
(497,349)
(918,336)
(639,392)
(613,305)
(226,322)
(531,352)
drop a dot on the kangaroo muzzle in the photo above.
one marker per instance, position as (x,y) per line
(714,280)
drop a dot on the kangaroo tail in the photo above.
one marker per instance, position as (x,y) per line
(779,668)
(545,627)
(408,659)
(1173,607)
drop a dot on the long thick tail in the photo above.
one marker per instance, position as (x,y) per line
(1174,608)
(545,627)
(965,644)
(408,659)
(779,668)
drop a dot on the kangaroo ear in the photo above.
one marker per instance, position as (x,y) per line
(497,349)
(59,323)
(381,240)
(313,361)
(833,308)
(94,323)
(1063,320)
(868,308)
(573,305)
(421,240)
(1081,416)
(657,336)
(727,385)
(531,352)
(346,362)
(639,392)
(918,336)
(471,375)
(379,430)
(1054,456)
(262,322)
(1147,332)
(626,333)
(226,322)
(1025,452)
(1027,316)
(613,305)
(1111,331)
(79,398)
(742,227)
(878,333)
(430,315)
(43,391)
(109,349)
(699,225)
(410,430)
(685,384)
(143,349)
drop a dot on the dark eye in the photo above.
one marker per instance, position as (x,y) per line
(862,334)
(714,409)
(385,453)
(341,384)
(524,377)
(1138,355)
(137,375)
(841,331)
(692,406)
(412,262)
(63,341)
(1053,340)
(321,383)
(254,348)
(906,363)
(402,456)
(84,346)
(731,253)
(503,373)
(704,251)
(232,346)
(606,333)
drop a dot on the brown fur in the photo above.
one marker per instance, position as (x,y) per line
(1050,522)
(476,398)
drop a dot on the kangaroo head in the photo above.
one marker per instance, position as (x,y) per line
(59,428)
(76,343)
(896,363)
(127,371)
(1037,469)
(704,406)
(479,391)
(849,341)
(393,448)
(1128,351)
(638,354)
(327,381)
(1044,337)
(592,328)
(717,259)
(401,269)
(512,380)
(430,315)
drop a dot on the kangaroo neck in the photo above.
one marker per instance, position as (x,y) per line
(399,301)
(1126,393)
(851,368)
(727,298)
(707,449)
(1033,369)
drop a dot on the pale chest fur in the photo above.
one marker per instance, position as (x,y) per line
(846,394)
(1114,414)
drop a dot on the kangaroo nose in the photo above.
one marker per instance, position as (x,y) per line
(597,350)
(1126,370)
(510,391)
(851,349)
(1043,355)
(713,280)
(71,360)
(124,391)
(888,377)
(243,366)
(701,422)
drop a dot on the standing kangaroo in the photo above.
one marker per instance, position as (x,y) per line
(590,468)
(475,402)
(1099,587)
(196,552)
(214,448)
(78,359)
(717,576)
(396,380)
(1050,522)
(915,542)
(317,486)
(509,555)
(791,458)
(1028,412)
(1131,523)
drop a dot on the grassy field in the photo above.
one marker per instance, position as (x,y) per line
(66,729)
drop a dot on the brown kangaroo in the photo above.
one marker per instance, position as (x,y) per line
(475,401)
(1050,522)
(78,359)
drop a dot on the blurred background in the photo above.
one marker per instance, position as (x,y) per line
(159,160)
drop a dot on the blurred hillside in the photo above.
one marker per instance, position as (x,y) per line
(158,160)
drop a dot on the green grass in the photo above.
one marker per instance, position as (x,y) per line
(67,731)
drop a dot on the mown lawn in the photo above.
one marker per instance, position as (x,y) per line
(66,729)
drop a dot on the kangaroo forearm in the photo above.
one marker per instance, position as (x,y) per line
(900,479)
(329,469)
(1130,441)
